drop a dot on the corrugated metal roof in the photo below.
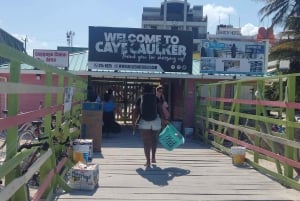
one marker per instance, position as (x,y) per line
(78,61)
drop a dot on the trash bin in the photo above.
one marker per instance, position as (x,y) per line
(177,124)
(238,154)
(188,133)
(92,118)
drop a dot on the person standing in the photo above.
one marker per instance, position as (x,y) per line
(108,114)
(147,114)
(111,94)
(164,104)
(233,51)
(98,99)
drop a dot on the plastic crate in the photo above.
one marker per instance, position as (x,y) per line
(170,137)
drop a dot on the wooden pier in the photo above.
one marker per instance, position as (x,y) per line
(192,172)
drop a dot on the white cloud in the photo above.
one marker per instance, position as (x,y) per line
(221,15)
(20,37)
(31,43)
(249,29)
(217,15)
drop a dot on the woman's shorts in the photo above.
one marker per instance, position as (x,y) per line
(150,125)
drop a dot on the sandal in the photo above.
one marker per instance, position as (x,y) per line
(147,164)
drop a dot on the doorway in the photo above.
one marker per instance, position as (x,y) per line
(125,92)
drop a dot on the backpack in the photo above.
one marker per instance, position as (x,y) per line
(148,107)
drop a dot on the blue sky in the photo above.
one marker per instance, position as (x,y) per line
(45,23)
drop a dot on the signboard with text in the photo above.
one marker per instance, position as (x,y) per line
(131,49)
(53,57)
(232,57)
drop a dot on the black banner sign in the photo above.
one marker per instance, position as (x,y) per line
(131,49)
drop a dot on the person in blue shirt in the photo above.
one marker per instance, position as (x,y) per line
(108,114)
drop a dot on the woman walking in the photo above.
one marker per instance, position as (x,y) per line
(148,114)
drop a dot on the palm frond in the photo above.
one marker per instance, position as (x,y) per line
(280,10)
(293,23)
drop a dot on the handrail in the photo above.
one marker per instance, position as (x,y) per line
(12,187)
(13,88)
(221,109)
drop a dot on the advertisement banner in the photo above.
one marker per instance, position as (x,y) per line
(131,49)
(232,57)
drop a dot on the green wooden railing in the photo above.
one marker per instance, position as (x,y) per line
(51,170)
(236,112)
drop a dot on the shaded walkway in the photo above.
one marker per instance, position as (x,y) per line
(192,172)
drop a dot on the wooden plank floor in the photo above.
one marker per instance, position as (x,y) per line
(192,172)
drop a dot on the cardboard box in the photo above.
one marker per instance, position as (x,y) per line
(82,150)
(84,177)
(92,128)
(92,116)
(92,106)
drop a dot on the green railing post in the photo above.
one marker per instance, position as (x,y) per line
(262,113)
(221,116)
(200,130)
(208,114)
(281,93)
(234,107)
(237,110)
(59,114)
(50,163)
(290,116)
(13,109)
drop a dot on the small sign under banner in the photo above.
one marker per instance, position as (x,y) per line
(126,67)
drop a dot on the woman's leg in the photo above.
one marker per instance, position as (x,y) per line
(146,136)
(154,139)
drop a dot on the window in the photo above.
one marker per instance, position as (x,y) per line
(195,32)
(195,47)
